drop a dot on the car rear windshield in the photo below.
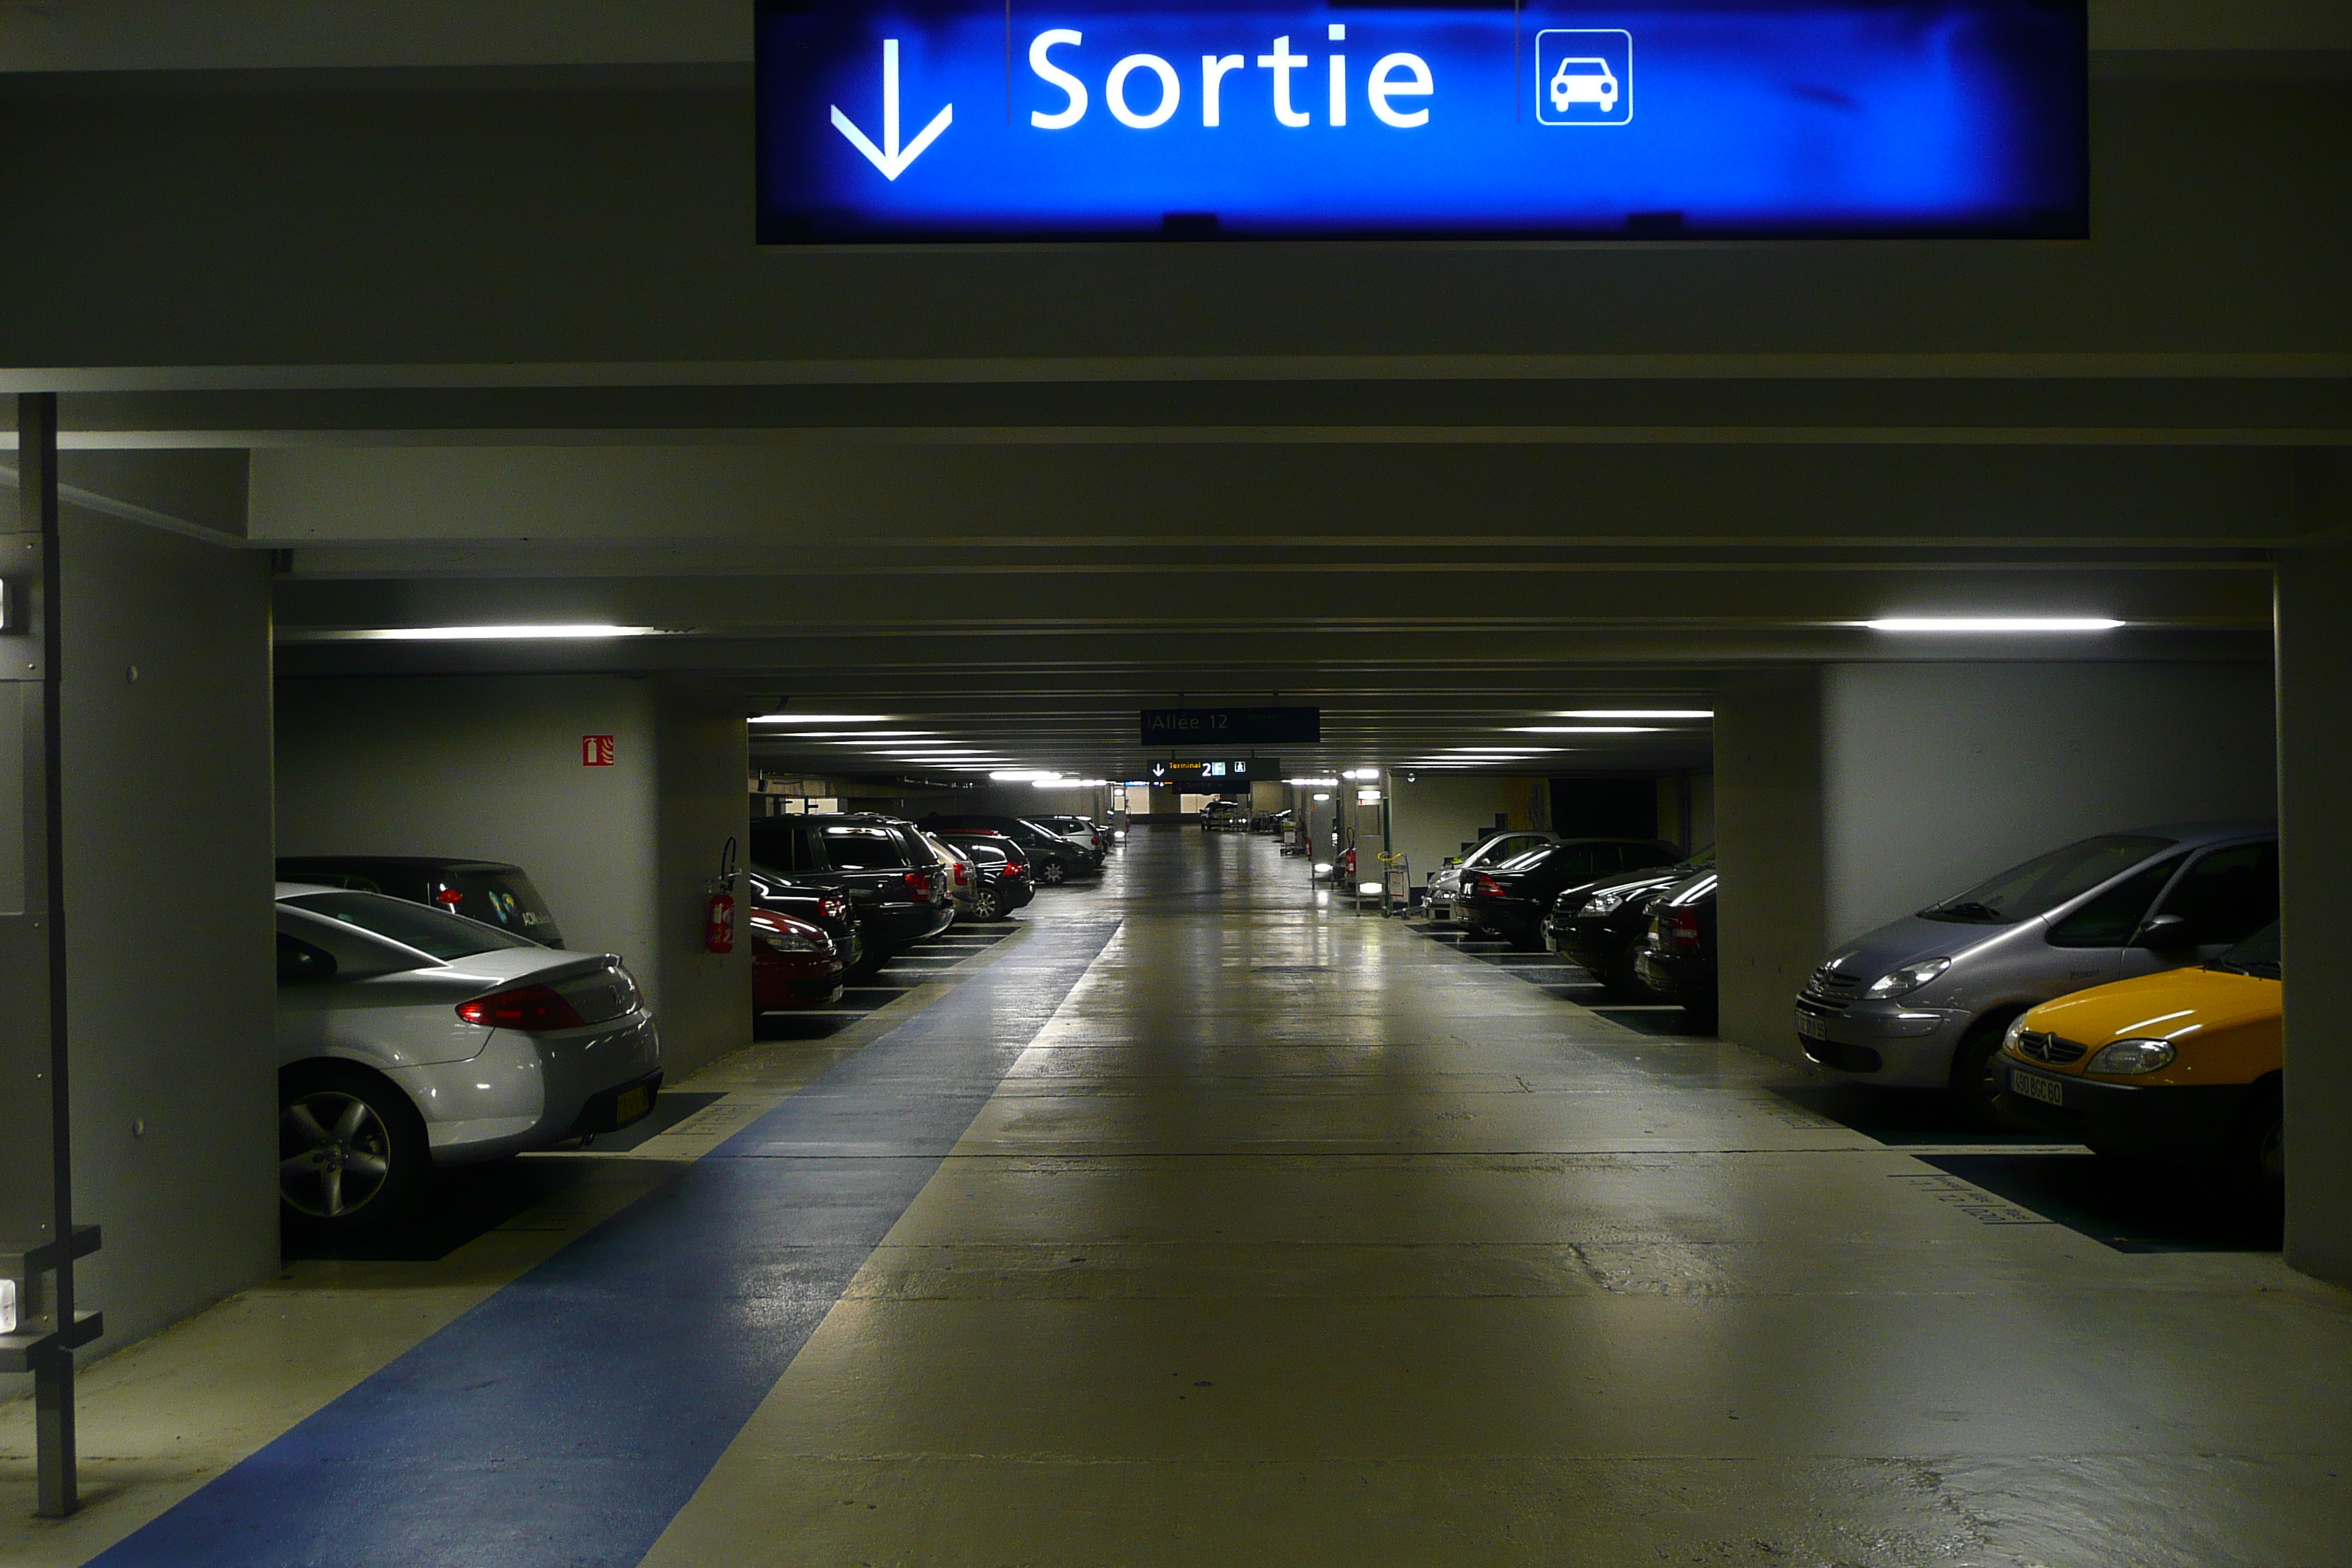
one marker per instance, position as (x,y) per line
(863,849)
(410,925)
(505,900)
(2258,954)
(2046,882)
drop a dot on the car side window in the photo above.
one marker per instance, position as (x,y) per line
(298,960)
(2228,895)
(2110,919)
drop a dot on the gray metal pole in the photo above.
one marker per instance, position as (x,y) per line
(52,1363)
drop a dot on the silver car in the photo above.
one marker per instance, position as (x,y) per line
(1445,883)
(409,1038)
(1921,1002)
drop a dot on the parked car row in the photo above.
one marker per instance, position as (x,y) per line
(2124,991)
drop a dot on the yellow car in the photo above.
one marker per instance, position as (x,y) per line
(2180,1065)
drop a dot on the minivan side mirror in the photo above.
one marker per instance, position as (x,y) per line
(2162,932)
(1453,859)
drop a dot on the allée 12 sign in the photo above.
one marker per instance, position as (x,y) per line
(944,120)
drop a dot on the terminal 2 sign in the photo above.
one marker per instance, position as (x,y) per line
(1233,774)
(964,121)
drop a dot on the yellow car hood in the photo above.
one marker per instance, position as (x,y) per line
(2177,1004)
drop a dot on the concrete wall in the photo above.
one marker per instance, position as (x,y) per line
(171,964)
(490,766)
(1854,794)
(1430,817)
(2314,642)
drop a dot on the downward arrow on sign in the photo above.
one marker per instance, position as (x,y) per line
(887,157)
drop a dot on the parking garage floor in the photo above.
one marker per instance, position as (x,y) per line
(1206,1221)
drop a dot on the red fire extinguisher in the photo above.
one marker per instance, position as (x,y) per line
(718,915)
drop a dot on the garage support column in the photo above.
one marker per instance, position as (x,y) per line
(2315,650)
(1768,812)
(35,1145)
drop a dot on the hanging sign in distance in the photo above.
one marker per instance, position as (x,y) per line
(1232,727)
(1234,773)
(962,120)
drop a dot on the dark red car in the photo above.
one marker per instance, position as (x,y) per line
(794,963)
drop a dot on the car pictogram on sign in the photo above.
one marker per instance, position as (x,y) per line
(1584,76)
(1583,80)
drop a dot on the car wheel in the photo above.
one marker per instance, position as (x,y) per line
(352,1150)
(1976,1077)
(2263,1145)
(1053,873)
(987,906)
(1624,981)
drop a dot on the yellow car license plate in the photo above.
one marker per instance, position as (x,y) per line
(632,1104)
(2033,1086)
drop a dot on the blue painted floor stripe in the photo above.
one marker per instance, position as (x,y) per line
(566,1420)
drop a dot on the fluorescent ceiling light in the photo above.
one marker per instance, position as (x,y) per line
(1361,774)
(829,719)
(1497,751)
(1993,623)
(853,734)
(574,632)
(1636,713)
(1017,775)
(1584,729)
(1310,784)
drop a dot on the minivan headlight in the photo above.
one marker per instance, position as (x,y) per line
(1604,903)
(1909,978)
(2126,1058)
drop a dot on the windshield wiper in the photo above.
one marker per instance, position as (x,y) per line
(1971,910)
(2258,969)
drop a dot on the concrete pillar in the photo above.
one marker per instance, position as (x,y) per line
(2315,653)
(1850,795)
(172,987)
(496,768)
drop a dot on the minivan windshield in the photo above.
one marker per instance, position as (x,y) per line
(2257,956)
(2046,882)
(410,925)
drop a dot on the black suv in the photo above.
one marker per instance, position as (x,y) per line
(1052,858)
(490,891)
(1601,925)
(898,891)
(1512,900)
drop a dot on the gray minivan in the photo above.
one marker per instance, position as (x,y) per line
(1921,1002)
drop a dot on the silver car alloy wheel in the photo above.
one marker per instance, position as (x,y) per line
(335,1155)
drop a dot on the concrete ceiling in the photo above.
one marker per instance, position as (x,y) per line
(456,309)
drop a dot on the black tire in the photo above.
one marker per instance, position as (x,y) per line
(1624,982)
(352,1150)
(1976,1082)
(987,906)
(2260,1154)
(1053,873)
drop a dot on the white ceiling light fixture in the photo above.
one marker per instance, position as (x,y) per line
(1314,784)
(1636,713)
(1585,729)
(1993,623)
(576,631)
(1361,774)
(1016,776)
(828,719)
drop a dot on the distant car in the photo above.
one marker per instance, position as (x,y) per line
(1923,1002)
(1005,884)
(409,1038)
(1678,957)
(794,964)
(963,876)
(1084,831)
(900,892)
(1053,859)
(1583,81)
(1602,926)
(490,891)
(1445,883)
(2183,1065)
(1225,814)
(1511,900)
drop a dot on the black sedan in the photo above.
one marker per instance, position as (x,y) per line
(1005,884)
(1512,900)
(1678,958)
(1601,925)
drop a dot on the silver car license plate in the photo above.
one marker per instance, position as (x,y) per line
(2033,1086)
(1812,1028)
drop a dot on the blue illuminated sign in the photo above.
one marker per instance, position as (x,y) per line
(934,120)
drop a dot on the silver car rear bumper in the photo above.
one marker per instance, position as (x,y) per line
(526,1091)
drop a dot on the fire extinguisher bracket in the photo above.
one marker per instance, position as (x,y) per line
(718,907)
